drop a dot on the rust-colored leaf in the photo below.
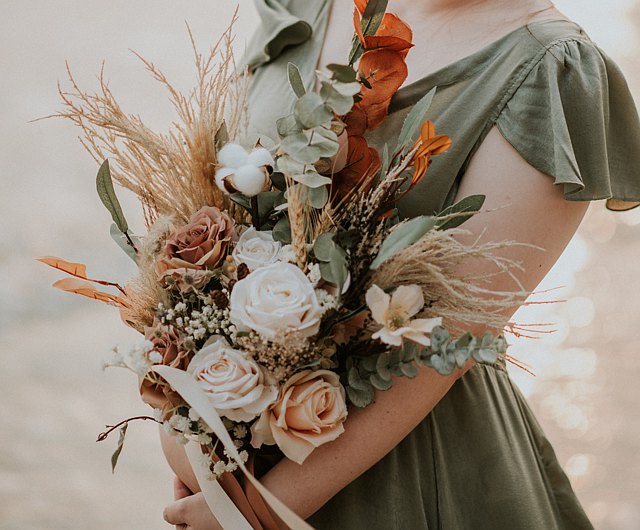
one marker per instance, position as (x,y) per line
(362,162)
(396,44)
(356,121)
(393,26)
(84,288)
(357,26)
(428,144)
(79,270)
(376,113)
(385,70)
(361,5)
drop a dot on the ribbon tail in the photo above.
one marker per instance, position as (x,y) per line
(217,499)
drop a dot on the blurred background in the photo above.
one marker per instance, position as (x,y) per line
(55,397)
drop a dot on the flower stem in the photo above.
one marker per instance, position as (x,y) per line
(103,436)
(255,212)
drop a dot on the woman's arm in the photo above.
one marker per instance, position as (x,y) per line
(530,209)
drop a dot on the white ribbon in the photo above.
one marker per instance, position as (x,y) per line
(225,511)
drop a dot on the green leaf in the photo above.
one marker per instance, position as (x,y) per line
(382,366)
(267,201)
(116,454)
(288,125)
(342,72)
(282,231)
(104,185)
(409,370)
(324,247)
(384,166)
(355,381)
(278,181)
(468,206)
(309,146)
(122,242)
(340,103)
(241,200)
(222,135)
(360,398)
(414,119)
(311,111)
(380,383)
(311,178)
(404,235)
(295,80)
(372,16)
(317,197)
(335,272)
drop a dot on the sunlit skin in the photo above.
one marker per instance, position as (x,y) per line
(530,209)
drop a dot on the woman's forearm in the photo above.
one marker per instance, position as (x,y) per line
(369,435)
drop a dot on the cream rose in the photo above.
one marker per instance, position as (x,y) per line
(275,299)
(256,249)
(236,386)
(310,411)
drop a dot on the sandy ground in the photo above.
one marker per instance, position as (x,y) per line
(55,397)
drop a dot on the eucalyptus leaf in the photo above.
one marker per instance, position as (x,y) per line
(267,202)
(382,366)
(309,146)
(104,186)
(466,207)
(409,370)
(295,80)
(317,197)
(311,178)
(360,398)
(288,125)
(341,104)
(342,72)
(415,119)
(324,247)
(355,381)
(122,242)
(282,231)
(403,236)
(116,454)
(311,111)
(334,272)
(380,383)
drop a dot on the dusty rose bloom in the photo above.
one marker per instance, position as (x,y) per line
(200,244)
(310,411)
(166,342)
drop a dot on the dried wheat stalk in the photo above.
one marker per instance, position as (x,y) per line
(171,173)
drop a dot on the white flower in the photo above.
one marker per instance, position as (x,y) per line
(394,314)
(236,386)
(276,299)
(256,249)
(287,254)
(314,274)
(242,171)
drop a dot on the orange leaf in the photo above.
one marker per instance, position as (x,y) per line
(356,121)
(394,26)
(387,42)
(385,70)
(79,270)
(361,5)
(357,25)
(361,162)
(376,113)
(84,288)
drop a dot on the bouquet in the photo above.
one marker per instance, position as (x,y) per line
(277,287)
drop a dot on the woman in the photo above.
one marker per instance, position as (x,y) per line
(527,98)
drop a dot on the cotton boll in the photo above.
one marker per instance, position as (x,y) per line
(232,155)
(249,180)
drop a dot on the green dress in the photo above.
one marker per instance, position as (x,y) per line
(479,460)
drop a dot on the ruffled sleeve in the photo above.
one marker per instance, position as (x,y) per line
(573,118)
(279,28)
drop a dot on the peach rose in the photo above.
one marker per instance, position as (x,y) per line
(310,411)
(200,244)
(166,342)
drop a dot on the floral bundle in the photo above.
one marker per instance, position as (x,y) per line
(275,275)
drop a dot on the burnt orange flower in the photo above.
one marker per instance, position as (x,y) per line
(428,144)
(362,161)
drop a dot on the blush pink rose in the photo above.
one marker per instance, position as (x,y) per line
(310,411)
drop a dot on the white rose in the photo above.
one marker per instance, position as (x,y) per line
(276,299)
(256,249)
(236,386)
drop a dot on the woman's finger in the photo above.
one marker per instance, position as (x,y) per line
(177,512)
(180,490)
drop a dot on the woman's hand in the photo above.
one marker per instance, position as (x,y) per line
(189,511)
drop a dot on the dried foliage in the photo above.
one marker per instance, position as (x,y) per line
(433,263)
(171,173)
